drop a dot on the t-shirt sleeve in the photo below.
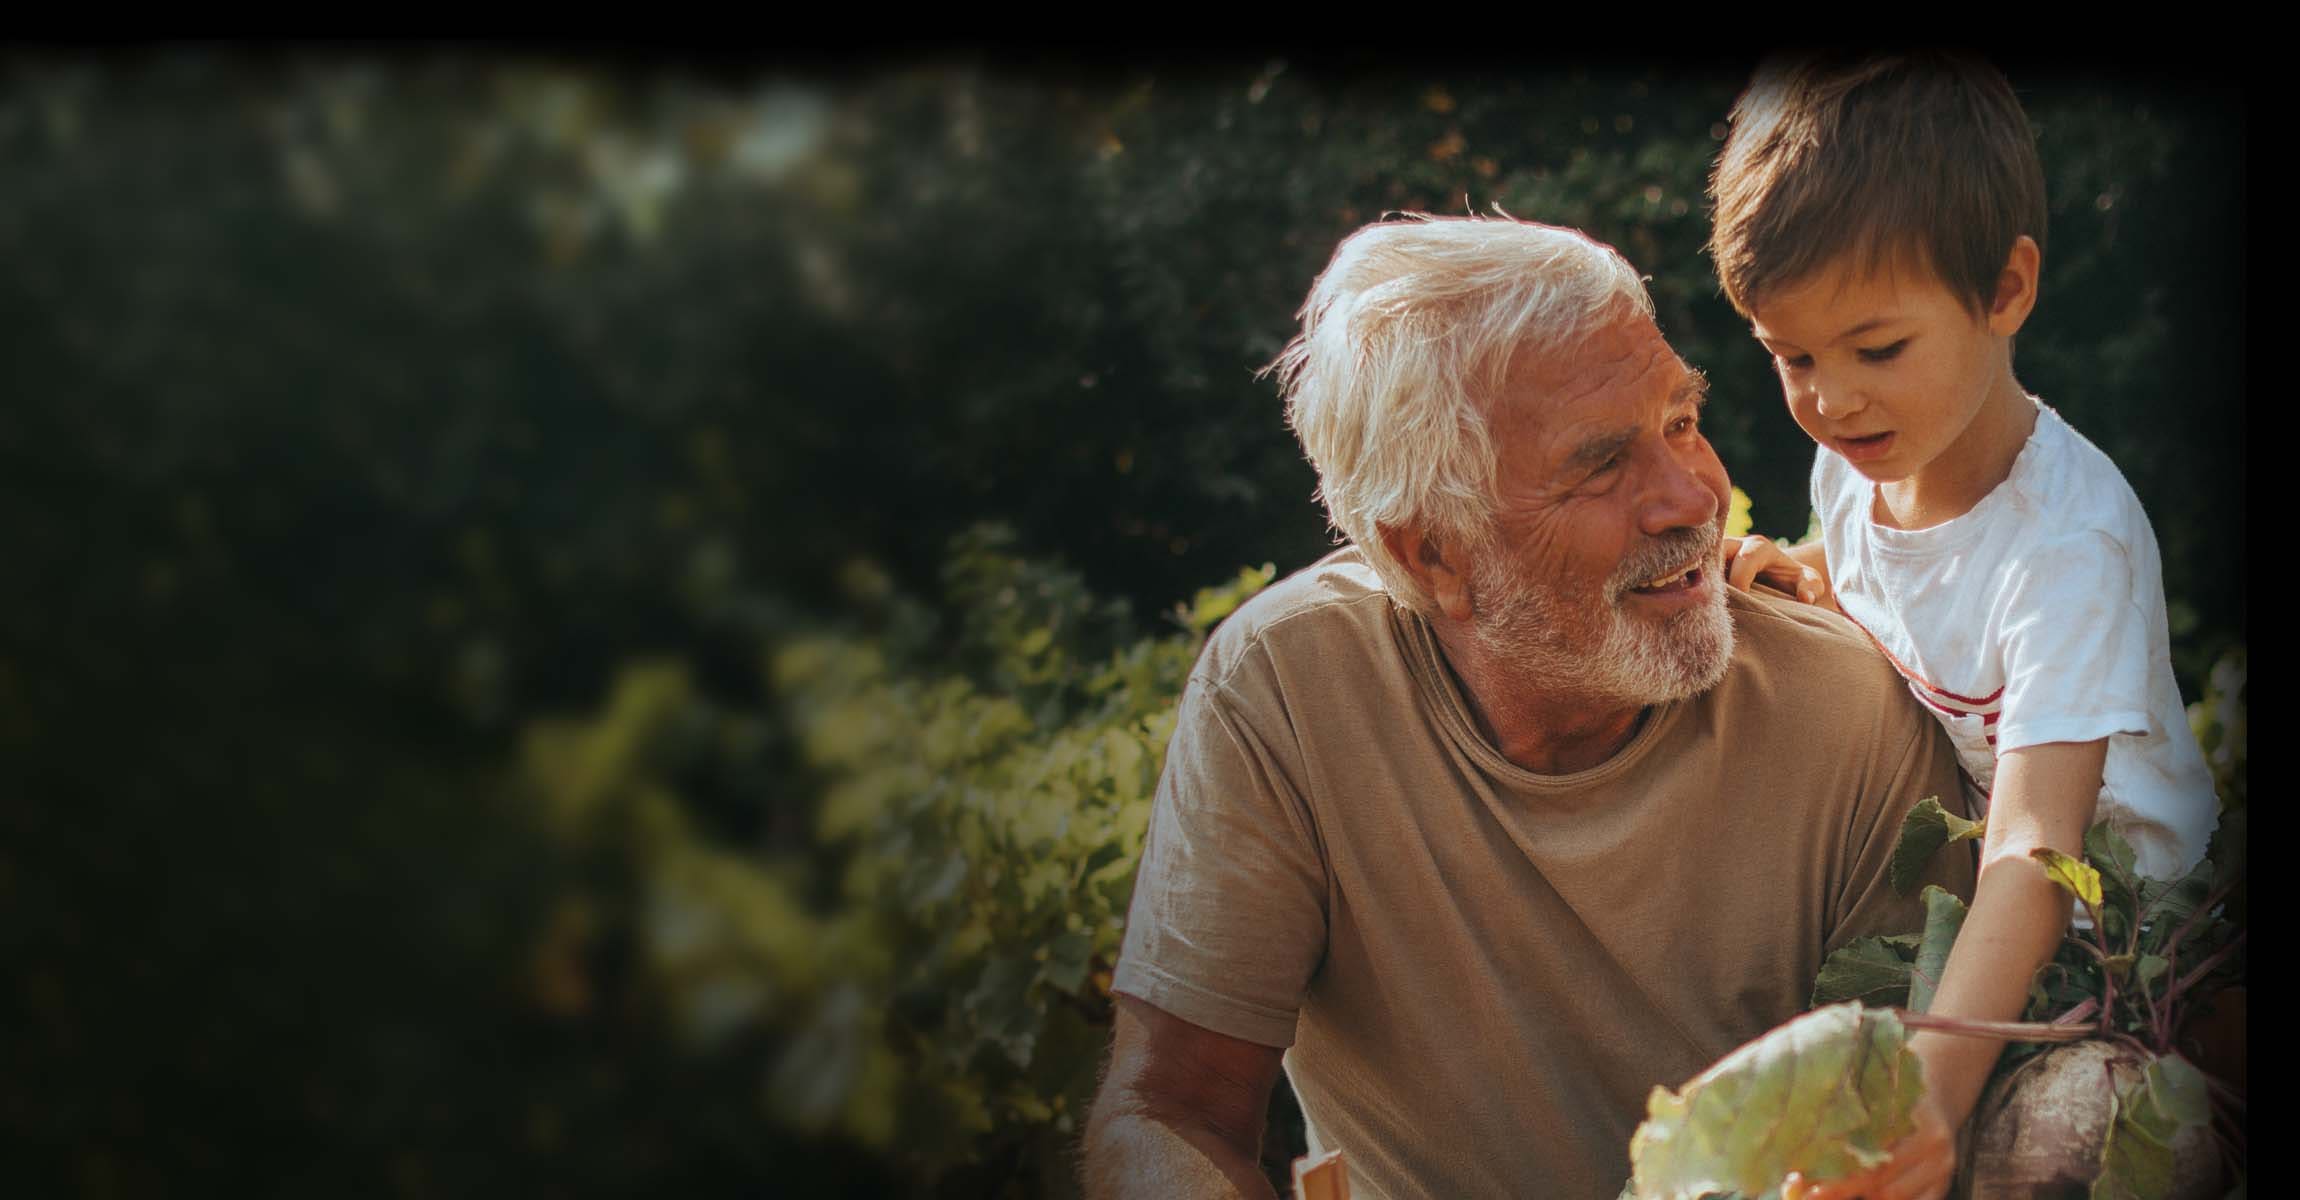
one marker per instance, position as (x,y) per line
(1925,766)
(1228,919)
(2076,646)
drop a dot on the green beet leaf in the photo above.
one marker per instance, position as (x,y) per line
(1872,970)
(1944,917)
(2121,884)
(1926,829)
(1823,1094)
(2152,1112)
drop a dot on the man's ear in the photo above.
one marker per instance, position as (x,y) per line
(2016,287)
(1442,571)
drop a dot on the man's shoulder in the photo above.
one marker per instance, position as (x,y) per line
(1800,653)
(1772,622)
(1322,610)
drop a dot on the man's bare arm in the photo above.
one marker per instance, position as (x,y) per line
(1180,1111)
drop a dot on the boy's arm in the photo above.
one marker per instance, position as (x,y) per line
(2044,796)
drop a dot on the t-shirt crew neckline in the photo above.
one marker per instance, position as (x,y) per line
(1435,678)
(1967,525)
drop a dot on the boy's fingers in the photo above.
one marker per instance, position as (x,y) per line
(1747,560)
(1927,1179)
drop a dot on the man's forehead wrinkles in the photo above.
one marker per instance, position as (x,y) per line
(1591,375)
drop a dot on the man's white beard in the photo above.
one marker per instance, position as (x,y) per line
(1587,645)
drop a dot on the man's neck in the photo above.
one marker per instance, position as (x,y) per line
(1539,727)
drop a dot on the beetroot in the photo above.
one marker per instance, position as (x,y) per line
(2039,1131)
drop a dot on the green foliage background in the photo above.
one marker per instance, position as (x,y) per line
(585,626)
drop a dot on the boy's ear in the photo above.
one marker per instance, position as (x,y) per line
(2016,287)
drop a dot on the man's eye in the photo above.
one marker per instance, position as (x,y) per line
(1884,353)
(1683,424)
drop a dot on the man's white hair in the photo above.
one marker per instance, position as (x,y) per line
(1407,338)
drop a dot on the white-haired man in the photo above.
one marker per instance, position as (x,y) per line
(1511,809)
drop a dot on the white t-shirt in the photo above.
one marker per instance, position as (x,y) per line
(2038,616)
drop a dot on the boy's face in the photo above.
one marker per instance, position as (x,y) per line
(1888,368)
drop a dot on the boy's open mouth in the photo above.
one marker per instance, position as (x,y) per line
(1865,447)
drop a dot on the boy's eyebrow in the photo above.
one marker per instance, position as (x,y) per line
(1868,325)
(1847,335)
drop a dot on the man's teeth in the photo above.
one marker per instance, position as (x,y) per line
(1666,580)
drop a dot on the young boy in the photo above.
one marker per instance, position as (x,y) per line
(1881,222)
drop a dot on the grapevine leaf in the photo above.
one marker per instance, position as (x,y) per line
(2073,874)
(1004,1008)
(2151,1113)
(1066,961)
(1872,970)
(1944,916)
(2149,967)
(1926,829)
(1823,1094)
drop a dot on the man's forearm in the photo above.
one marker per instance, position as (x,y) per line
(1132,1153)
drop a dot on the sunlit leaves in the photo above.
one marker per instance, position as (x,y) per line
(2074,875)
(1737,522)
(978,831)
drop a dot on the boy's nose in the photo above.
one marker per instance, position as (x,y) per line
(1839,401)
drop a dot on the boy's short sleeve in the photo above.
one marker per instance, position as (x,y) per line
(2076,646)
(1228,919)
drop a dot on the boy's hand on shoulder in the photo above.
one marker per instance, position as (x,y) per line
(1757,559)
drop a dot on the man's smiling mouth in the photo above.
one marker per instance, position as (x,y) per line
(1676,581)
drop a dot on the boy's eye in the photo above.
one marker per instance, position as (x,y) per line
(1796,362)
(1884,353)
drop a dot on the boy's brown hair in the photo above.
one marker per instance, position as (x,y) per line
(1921,158)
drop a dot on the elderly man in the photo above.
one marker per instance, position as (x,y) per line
(1510,810)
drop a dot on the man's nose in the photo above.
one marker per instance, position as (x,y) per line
(1678,497)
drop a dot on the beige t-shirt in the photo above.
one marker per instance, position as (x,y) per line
(1479,971)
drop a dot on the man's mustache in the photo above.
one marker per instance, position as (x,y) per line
(1671,551)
